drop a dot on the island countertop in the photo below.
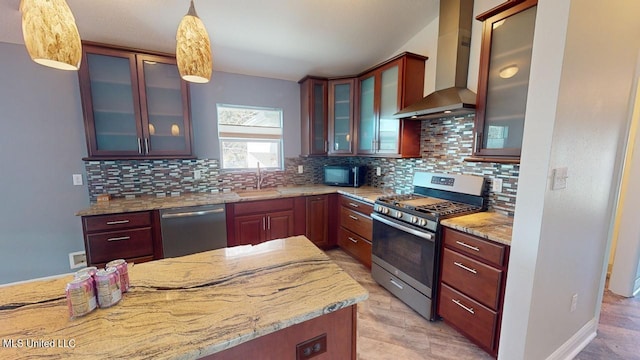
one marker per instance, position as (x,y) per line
(145,203)
(181,308)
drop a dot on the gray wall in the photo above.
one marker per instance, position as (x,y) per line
(42,143)
(226,88)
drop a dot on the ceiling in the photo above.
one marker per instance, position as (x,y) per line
(283,39)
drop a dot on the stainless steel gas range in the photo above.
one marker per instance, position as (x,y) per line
(406,234)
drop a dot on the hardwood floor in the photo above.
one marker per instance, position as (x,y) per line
(388,329)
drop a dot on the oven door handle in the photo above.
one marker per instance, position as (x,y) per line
(424,235)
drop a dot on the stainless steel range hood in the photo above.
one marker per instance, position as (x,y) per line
(451,98)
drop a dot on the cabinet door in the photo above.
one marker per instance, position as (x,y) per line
(249,229)
(279,225)
(368,118)
(388,127)
(317,220)
(313,112)
(503,83)
(341,116)
(111,102)
(164,100)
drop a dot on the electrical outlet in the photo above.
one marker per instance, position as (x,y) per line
(197,174)
(312,347)
(559,180)
(574,302)
(497,185)
(77,179)
(378,171)
(77,259)
(300,169)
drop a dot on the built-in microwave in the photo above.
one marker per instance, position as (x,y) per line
(345,175)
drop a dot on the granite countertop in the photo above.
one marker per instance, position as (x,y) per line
(144,203)
(488,225)
(182,308)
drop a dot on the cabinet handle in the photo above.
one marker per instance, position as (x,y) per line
(269,222)
(396,284)
(116,222)
(468,246)
(474,271)
(326,145)
(457,302)
(354,205)
(353,217)
(119,238)
(146,145)
(355,241)
(264,223)
(139,146)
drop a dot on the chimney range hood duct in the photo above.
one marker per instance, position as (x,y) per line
(451,98)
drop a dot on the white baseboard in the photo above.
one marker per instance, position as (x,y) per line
(37,279)
(577,342)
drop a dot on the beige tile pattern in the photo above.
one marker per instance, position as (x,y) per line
(120,205)
(184,308)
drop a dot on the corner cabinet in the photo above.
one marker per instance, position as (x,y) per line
(313,114)
(383,91)
(135,105)
(503,82)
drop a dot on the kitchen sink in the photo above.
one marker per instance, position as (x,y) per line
(257,193)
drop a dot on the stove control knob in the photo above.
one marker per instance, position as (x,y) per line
(423,222)
(399,215)
(385,210)
(414,219)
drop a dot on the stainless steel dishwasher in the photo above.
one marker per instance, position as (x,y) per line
(193,229)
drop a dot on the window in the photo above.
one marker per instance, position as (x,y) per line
(250,135)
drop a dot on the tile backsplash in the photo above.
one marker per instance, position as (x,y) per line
(444,145)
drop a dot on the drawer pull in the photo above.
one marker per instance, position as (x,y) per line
(457,302)
(119,238)
(355,241)
(354,205)
(464,267)
(353,217)
(468,246)
(117,222)
(396,284)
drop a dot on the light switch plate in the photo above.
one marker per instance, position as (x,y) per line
(77,179)
(300,169)
(559,180)
(378,171)
(197,174)
(497,185)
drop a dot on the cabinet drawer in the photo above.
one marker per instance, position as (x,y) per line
(356,222)
(491,252)
(262,206)
(117,221)
(473,319)
(357,246)
(477,280)
(125,244)
(357,205)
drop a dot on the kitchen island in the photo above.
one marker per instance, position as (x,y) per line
(225,303)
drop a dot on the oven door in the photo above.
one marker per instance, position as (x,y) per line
(405,251)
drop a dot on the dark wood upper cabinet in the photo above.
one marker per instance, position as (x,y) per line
(383,91)
(313,114)
(503,81)
(135,105)
(341,116)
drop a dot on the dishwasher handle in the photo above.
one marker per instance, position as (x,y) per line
(192,213)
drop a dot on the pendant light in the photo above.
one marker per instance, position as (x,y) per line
(50,33)
(193,49)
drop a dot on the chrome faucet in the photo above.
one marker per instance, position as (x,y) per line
(259,178)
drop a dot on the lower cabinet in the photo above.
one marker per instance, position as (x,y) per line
(133,236)
(472,283)
(355,228)
(254,222)
(321,223)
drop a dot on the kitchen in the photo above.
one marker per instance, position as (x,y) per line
(47,152)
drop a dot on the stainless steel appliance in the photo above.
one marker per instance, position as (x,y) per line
(344,175)
(194,229)
(406,234)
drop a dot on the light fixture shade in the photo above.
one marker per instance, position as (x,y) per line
(509,71)
(50,33)
(193,49)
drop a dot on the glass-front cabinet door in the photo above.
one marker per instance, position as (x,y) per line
(163,107)
(341,116)
(367,122)
(504,81)
(313,112)
(110,103)
(388,126)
